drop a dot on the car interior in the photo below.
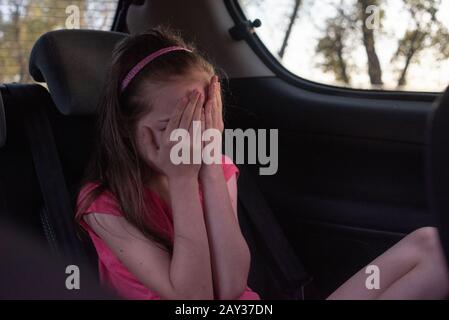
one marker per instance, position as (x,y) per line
(358,169)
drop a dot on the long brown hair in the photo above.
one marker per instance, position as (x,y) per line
(116,165)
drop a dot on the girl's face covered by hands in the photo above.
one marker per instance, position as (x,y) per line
(165,96)
(174,104)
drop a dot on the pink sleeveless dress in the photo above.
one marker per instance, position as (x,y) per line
(113,274)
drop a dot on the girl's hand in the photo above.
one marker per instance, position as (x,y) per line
(212,118)
(213,110)
(187,111)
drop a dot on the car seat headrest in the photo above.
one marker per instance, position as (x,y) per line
(74,64)
(2,123)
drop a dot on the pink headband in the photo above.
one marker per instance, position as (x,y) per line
(138,67)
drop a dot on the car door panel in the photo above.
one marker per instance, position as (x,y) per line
(350,181)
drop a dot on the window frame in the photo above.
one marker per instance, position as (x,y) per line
(259,48)
(119,22)
(115,21)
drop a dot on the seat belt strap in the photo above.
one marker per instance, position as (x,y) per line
(58,206)
(292,272)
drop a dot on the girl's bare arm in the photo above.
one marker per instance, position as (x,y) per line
(230,255)
(184,274)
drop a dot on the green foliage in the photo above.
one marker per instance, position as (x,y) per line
(342,32)
(333,48)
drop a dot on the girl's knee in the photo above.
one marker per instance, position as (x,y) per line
(426,240)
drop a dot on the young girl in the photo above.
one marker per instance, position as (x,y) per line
(162,230)
(166,231)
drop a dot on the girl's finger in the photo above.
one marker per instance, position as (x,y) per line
(203,120)
(195,131)
(208,109)
(210,100)
(210,89)
(176,116)
(210,93)
(218,100)
(189,110)
(216,112)
(197,111)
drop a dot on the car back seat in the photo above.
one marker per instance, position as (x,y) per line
(2,123)
(2,143)
(26,231)
(73,64)
(20,198)
(36,110)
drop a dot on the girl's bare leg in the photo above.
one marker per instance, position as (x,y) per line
(414,268)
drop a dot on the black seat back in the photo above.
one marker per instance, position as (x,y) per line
(35,103)
(20,197)
(64,60)
(2,143)
(2,123)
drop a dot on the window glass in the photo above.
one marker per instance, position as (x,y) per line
(23,21)
(362,44)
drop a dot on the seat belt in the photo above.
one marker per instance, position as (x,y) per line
(292,274)
(58,210)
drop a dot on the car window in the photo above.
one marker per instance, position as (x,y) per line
(23,21)
(362,44)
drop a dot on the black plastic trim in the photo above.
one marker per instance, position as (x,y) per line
(119,23)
